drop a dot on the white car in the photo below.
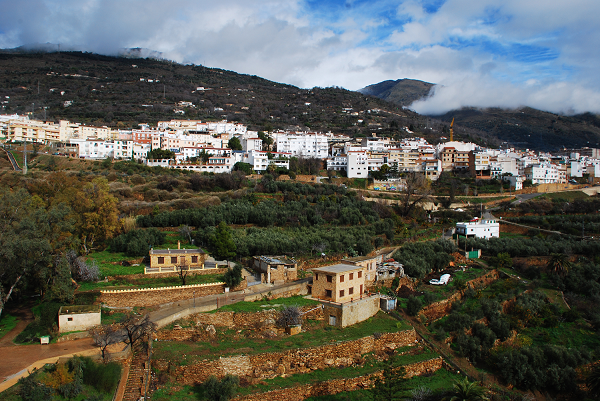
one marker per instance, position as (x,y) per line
(442,281)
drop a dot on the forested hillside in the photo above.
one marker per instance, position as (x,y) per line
(123,92)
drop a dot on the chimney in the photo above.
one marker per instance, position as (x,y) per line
(178,244)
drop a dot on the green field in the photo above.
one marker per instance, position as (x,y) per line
(154,280)
(262,305)
(566,195)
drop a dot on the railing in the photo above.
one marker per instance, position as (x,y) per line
(175,269)
(175,287)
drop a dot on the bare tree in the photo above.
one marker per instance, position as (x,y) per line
(289,316)
(186,232)
(137,327)
(82,270)
(105,335)
(183,269)
(418,189)
(319,246)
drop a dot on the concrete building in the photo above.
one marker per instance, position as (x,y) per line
(542,173)
(358,166)
(302,144)
(432,168)
(479,165)
(349,313)
(338,283)
(275,269)
(369,263)
(338,163)
(476,228)
(78,317)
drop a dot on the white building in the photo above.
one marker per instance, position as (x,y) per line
(486,228)
(543,173)
(358,166)
(94,149)
(302,144)
(338,163)
(260,160)
(503,164)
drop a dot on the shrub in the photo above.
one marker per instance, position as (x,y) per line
(413,306)
(104,378)
(233,277)
(137,242)
(221,390)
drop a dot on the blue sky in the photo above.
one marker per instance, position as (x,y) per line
(482,53)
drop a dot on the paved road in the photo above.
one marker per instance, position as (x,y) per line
(525,197)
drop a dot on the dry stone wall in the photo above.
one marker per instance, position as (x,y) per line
(439,309)
(330,387)
(268,365)
(156,296)
(260,320)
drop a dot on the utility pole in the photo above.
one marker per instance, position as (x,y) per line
(24,158)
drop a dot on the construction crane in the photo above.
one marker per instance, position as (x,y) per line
(452,130)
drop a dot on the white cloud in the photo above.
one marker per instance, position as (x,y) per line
(540,53)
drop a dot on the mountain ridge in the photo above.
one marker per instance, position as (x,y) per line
(524,127)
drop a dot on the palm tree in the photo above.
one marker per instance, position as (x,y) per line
(593,381)
(559,264)
(464,390)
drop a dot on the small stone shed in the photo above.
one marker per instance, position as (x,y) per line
(275,269)
(78,317)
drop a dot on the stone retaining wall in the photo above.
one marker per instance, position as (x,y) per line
(268,365)
(156,296)
(439,309)
(330,387)
(264,320)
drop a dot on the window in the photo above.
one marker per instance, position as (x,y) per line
(194,259)
(328,293)
(161,260)
(69,319)
(173,259)
(341,293)
(351,276)
(359,274)
(329,279)
(350,290)
(342,278)
(316,276)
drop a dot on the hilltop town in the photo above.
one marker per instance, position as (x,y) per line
(218,147)
(201,259)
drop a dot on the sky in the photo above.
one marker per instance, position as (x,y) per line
(480,53)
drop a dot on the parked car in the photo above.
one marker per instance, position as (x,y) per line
(443,280)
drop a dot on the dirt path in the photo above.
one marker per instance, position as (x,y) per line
(461,363)
(18,357)
(25,316)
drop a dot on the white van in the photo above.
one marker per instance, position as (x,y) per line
(442,281)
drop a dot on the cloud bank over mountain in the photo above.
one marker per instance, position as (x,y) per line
(541,54)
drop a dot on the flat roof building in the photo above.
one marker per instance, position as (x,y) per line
(339,283)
